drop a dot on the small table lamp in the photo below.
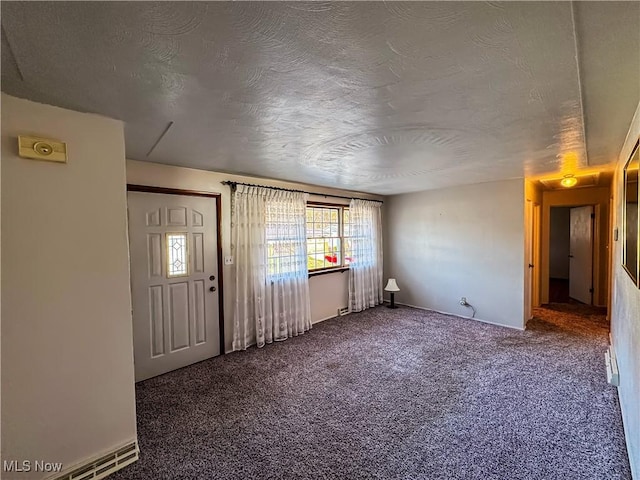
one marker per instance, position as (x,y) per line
(392,288)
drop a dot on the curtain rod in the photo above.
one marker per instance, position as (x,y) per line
(233,185)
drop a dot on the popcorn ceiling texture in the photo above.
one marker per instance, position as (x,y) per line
(383,97)
(406,394)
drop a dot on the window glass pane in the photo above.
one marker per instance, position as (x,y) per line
(347,251)
(324,242)
(177,258)
(346,223)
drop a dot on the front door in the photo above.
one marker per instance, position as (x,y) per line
(581,254)
(174,268)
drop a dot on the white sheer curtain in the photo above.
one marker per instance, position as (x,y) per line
(365,273)
(271,276)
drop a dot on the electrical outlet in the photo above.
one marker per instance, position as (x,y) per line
(228,260)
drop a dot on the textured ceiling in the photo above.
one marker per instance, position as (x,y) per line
(378,97)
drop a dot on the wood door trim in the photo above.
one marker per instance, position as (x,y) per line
(169,191)
(218,200)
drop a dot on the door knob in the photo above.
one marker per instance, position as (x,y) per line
(212,289)
(531,265)
(212,278)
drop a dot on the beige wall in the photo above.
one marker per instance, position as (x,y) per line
(67,360)
(599,196)
(625,318)
(457,242)
(328,292)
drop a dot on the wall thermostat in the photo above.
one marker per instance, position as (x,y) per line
(42,149)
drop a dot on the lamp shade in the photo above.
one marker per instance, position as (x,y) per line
(392,286)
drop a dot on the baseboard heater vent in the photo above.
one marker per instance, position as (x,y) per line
(343,311)
(104,465)
(613,377)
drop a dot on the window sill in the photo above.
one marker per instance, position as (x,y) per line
(315,273)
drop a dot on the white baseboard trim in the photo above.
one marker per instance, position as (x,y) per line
(460,316)
(313,322)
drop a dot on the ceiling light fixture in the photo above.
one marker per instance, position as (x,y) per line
(568,181)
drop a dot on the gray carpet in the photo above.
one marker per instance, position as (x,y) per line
(392,394)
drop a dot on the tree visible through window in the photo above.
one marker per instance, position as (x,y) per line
(328,244)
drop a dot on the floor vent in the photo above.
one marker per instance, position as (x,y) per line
(613,377)
(105,465)
(343,311)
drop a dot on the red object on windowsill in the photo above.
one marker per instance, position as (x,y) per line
(331,258)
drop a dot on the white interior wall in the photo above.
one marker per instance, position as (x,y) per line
(559,236)
(625,318)
(328,292)
(457,242)
(67,359)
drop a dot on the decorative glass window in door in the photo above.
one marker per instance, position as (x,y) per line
(177,255)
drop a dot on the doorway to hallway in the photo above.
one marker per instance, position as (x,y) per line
(571,254)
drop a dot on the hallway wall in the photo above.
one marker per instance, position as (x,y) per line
(625,318)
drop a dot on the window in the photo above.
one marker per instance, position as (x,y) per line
(328,244)
(285,239)
(177,265)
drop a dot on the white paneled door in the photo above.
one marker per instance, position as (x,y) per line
(174,284)
(581,254)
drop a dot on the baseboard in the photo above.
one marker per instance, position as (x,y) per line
(461,316)
(102,465)
(313,322)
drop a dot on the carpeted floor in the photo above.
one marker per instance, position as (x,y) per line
(392,394)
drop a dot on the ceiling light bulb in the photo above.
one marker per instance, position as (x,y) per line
(568,181)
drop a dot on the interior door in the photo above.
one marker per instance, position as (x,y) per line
(174,268)
(535,243)
(581,254)
(528,249)
(532,249)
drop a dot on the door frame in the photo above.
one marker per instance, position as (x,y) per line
(218,199)
(599,195)
(596,245)
(535,244)
(532,257)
